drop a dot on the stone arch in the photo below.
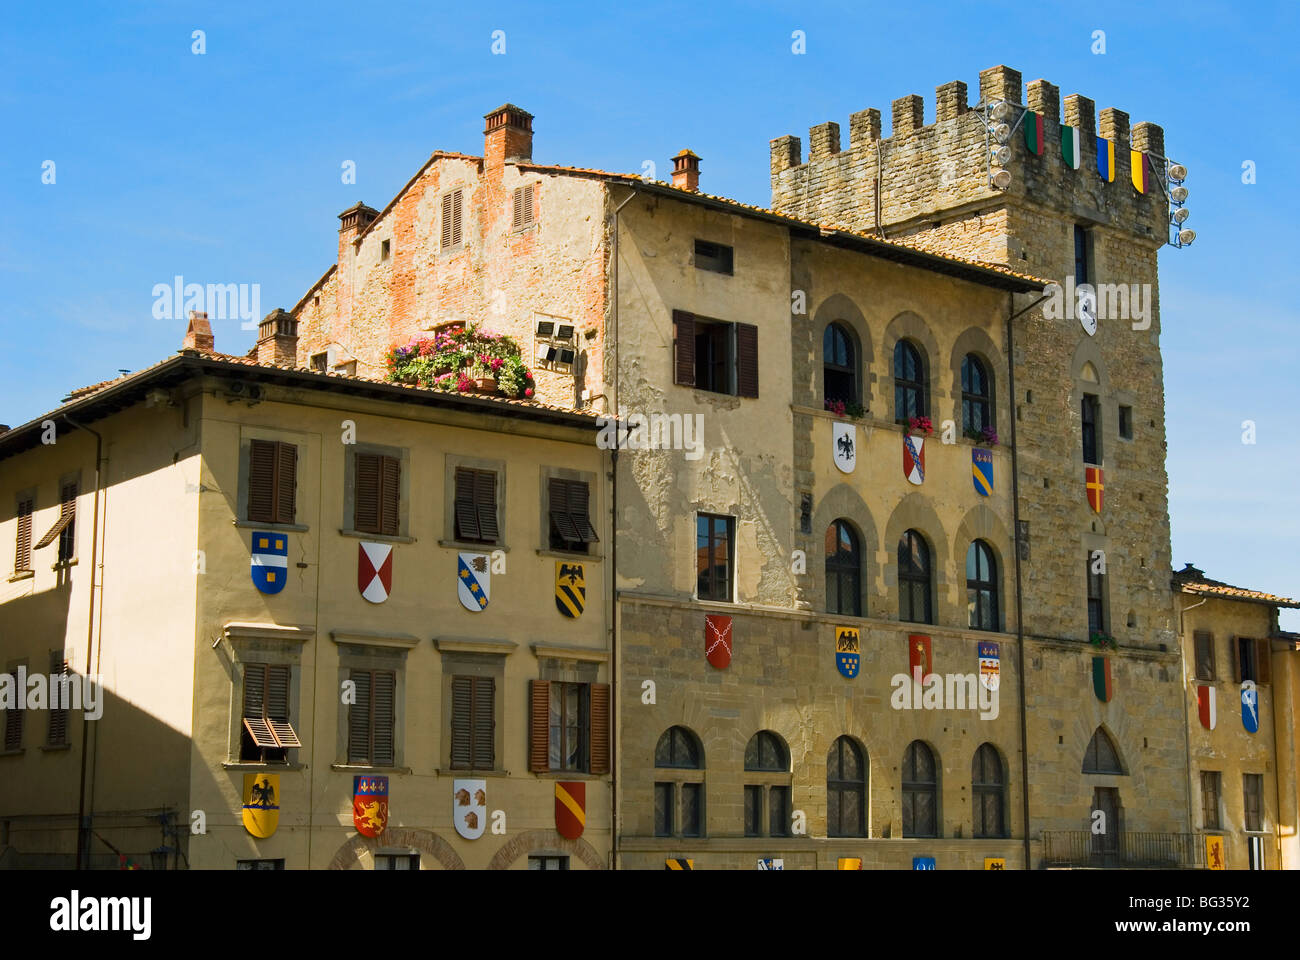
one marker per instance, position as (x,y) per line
(351,855)
(910,326)
(841,309)
(977,341)
(981,523)
(937,759)
(1103,730)
(914,512)
(547,841)
(843,501)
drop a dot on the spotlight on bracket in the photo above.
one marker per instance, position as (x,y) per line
(1001,179)
(1185,237)
(1000,155)
(1002,132)
(1178,194)
(1181,214)
(1177,172)
(999,110)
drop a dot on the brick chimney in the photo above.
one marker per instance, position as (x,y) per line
(277,338)
(686,171)
(198,334)
(507,136)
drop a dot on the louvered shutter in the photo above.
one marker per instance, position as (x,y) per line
(747,360)
(484,720)
(286,481)
(1234,647)
(517,217)
(359,719)
(255,690)
(390,492)
(539,727)
(462,692)
(485,503)
(385,690)
(1263,664)
(466,516)
(23,544)
(366,493)
(683,348)
(277,707)
(13,724)
(580,511)
(600,733)
(261,481)
(559,510)
(456,235)
(446,221)
(58,731)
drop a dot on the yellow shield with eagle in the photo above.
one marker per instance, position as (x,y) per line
(261,803)
(570,588)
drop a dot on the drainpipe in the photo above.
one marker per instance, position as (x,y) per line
(83,827)
(1187,733)
(1020,622)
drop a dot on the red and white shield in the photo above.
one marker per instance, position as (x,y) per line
(375,570)
(717,639)
(914,459)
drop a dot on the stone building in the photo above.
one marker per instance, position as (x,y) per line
(277,560)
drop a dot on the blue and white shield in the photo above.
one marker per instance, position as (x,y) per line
(269,561)
(981,469)
(1249,706)
(923,863)
(848,655)
(473,580)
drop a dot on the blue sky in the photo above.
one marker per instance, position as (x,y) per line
(225,168)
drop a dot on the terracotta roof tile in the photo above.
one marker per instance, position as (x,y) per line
(1193,581)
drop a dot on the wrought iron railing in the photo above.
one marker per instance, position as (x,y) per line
(1081,848)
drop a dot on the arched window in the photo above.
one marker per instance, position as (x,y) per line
(988,793)
(976,395)
(846,790)
(1101,755)
(679,798)
(981,586)
(843,570)
(920,792)
(840,371)
(909,382)
(914,594)
(767,796)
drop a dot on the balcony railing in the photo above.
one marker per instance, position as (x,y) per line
(1080,848)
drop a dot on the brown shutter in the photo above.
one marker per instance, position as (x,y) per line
(683,348)
(366,493)
(1263,664)
(390,495)
(1234,649)
(462,722)
(261,481)
(255,690)
(559,493)
(58,729)
(535,198)
(484,720)
(385,691)
(277,692)
(359,719)
(446,220)
(286,481)
(539,731)
(517,216)
(13,724)
(600,728)
(747,360)
(456,234)
(23,544)
(485,503)
(466,516)
(580,511)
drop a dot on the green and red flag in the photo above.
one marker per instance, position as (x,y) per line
(1101,682)
(1034,132)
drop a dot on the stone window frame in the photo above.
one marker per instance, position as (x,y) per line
(443,197)
(1218,799)
(1091,543)
(595,508)
(472,657)
(1000,789)
(1086,353)
(272,645)
(844,502)
(938,791)
(451,461)
(676,778)
(843,310)
(865,757)
(403,457)
(366,651)
(765,780)
(977,342)
(859,570)
(909,325)
(301,441)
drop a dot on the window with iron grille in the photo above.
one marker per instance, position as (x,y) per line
(570,522)
(767,753)
(714,540)
(521,202)
(1210,799)
(1101,756)
(846,790)
(473,722)
(476,506)
(23,540)
(377,493)
(915,594)
(272,481)
(451,220)
(679,749)
(370,718)
(988,793)
(267,731)
(1252,787)
(57,732)
(843,570)
(664,809)
(920,792)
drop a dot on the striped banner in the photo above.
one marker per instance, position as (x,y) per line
(1106,159)
(1070,146)
(1141,179)
(1034,132)
(679,864)
(1102,685)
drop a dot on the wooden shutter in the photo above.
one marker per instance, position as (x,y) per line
(23,543)
(67,513)
(390,495)
(58,731)
(747,360)
(1203,652)
(1263,666)
(484,721)
(518,215)
(462,722)
(261,481)
(14,724)
(539,730)
(446,220)
(683,348)
(559,494)
(466,516)
(456,234)
(580,511)
(1234,648)
(359,719)
(385,691)
(600,733)
(366,493)
(286,481)
(255,690)
(485,503)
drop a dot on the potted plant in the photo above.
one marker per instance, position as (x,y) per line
(846,408)
(985,437)
(1103,641)
(919,425)
(463,359)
